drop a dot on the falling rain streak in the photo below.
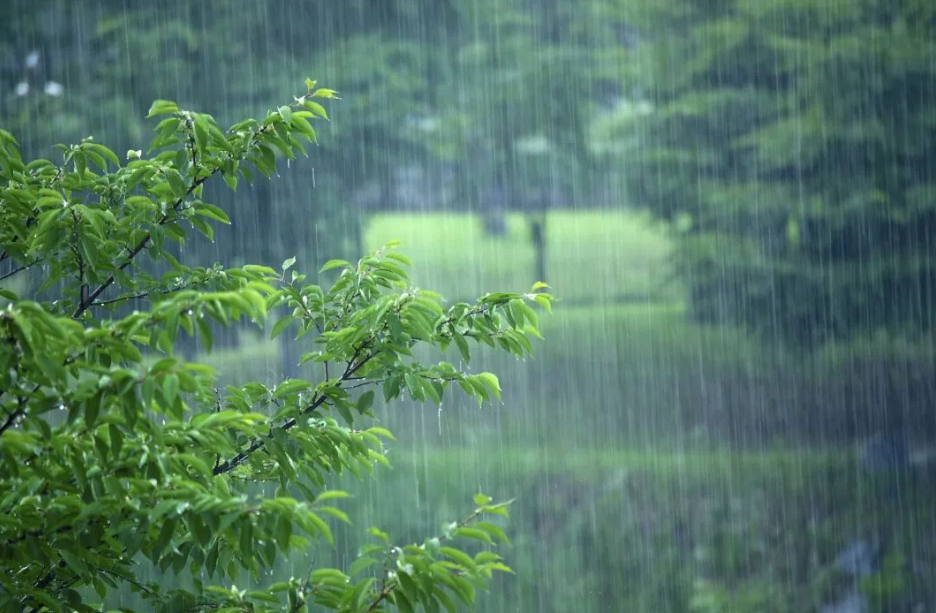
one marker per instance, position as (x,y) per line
(734,201)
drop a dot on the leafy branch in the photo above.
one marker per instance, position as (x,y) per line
(148,457)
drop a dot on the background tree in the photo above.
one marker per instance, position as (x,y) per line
(482,106)
(790,142)
(115,455)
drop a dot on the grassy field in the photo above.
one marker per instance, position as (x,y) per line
(590,255)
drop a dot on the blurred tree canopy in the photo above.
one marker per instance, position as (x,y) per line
(792,143)
(789,141)
(492,83)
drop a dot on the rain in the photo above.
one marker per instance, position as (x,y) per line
(733,407)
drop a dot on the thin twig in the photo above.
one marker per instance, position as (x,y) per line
(140,246)
(146,294)
(241,457)
(15,415)
(20,269)
(120,299)
(388,587)
(129,580)
(363,383)
(217,410)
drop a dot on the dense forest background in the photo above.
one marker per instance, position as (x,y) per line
(735,201)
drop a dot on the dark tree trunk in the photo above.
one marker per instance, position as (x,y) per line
(538,238)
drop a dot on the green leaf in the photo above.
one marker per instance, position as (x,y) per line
(211,212)
(458,556)
(491,382)
(361,564)
(104,152)
(170,388)
(332,264)
(316,108)
(322,527)
(462,346)
(331,495)
(473,533)
(162,107)
(290,386)
(281,325)
(336,513)
(491,529)
(201,133)
(481,499)
(325,93)
(383,432)
(379,534)
(365,401)
(544,301)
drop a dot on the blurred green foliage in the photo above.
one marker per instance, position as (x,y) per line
(674,529)
(792,141)
(789,141)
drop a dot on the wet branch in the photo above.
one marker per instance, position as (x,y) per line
(389,586)
(229,465)
(140,246)
(145,294)
(89,301)
(12,418)
(18,270)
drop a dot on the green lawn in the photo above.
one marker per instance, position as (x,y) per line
(591,255)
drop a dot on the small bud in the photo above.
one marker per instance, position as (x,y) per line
(134,155)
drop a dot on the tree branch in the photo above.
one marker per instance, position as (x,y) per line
(388,587)
(16,414)
(241,457)
(142,295)
(20,269)
(128,579)
(363,383)
(88,302)
(41,583)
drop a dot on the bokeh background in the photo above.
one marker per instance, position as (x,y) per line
(734,409)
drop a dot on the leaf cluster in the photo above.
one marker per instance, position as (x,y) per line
(115,453)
